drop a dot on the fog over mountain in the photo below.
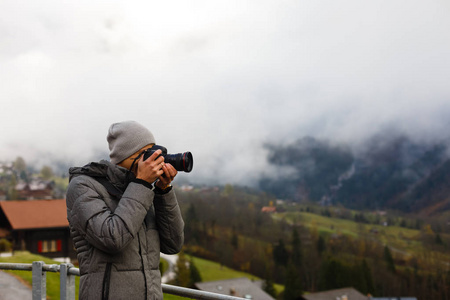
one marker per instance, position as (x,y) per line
(389,172)
(220,78)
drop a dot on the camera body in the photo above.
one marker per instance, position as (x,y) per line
(180,161)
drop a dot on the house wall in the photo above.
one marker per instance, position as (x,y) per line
(49,242)
(4,221)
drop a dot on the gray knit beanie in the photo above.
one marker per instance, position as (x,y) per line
(126,138)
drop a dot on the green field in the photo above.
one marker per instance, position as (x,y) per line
(211,271)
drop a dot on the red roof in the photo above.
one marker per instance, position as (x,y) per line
(269,209)
(35,213)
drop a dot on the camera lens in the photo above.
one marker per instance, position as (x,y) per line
(180,161)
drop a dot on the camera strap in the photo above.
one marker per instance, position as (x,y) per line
(130,172)
(111,188)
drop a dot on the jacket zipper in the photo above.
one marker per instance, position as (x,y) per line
(106,281)
(143,265)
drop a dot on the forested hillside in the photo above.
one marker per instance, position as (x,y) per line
(309,248)
(384,173)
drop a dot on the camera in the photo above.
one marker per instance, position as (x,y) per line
(180,161)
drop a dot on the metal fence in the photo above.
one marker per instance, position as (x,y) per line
(67,282)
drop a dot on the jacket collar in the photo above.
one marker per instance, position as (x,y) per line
(113,173)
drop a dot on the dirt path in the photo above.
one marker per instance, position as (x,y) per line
(12,288)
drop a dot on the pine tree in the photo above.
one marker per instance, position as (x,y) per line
(191,229)
(293,284)
(388,259)
(12,192)
(368,279)
(321,246)
(19,164)
(280,254)
(182,277)
(335,273)
(296,257)
(47,172)
(194,272)
(268,285)
(234,239)
(269,288)
(438,239)
(23,175)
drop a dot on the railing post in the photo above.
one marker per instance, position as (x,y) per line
(66,283)
(39,281)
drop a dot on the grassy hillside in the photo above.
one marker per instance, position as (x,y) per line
(405,239)
(404,242)
(398,237)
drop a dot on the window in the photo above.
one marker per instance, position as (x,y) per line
(46,246)
(52,246)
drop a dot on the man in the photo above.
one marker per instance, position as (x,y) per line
(122,214)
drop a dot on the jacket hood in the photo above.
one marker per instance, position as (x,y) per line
(104,169)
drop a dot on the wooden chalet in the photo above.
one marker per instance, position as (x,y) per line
(37,226)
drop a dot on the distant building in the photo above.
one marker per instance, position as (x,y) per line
(187,188)
(268,209)
(38,226)
(6,168)
(339,294)
(239,287)
(279,201)
(36,189)
(2,195)
(374,230)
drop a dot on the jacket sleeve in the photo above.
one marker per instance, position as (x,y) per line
(106,230)
(170,223)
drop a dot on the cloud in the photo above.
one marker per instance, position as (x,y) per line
(219,78)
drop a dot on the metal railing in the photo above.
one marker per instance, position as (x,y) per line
(67,282)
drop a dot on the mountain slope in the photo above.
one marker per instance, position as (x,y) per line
(386,173)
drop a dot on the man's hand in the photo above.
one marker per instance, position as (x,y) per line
(169,174)
(151,168)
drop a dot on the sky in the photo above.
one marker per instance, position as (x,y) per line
(219,78)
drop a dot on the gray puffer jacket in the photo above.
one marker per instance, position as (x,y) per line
(119,231)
